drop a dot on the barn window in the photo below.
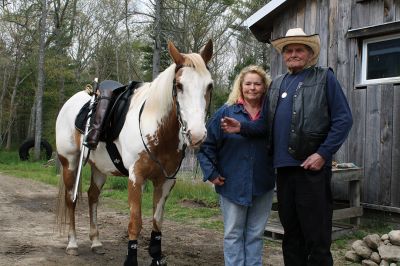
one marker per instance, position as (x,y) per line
(381,60)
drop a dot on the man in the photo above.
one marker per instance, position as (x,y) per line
(306,119)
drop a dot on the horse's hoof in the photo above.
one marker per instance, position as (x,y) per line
(72,251)
(159,262)
(98,250)
(130,261)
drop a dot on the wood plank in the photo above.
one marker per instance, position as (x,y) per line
(310,22)
(388,12)
(381,207)
(346,213)
(396,9)
(343,65)
(395,182)
(376,12)
(374,30)
(279,31)
(386,141)
(333,34)
(301,8)
(358,14)
(346,175)
(355,198)
(372,144)
(323,21)
(358,102)
(274,230)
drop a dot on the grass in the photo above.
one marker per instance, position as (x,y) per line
(190,200)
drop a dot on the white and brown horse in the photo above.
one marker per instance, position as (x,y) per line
(173,116)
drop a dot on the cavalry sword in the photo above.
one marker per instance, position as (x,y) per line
(83,144)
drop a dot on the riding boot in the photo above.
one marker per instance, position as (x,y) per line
(96,128)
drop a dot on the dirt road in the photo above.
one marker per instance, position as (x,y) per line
(28,234)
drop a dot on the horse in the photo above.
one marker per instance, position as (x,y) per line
(164,117)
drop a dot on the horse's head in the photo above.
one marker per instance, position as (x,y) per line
(193,85)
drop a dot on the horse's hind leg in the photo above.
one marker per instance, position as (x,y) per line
(162,188)
(97,181)
(69,180)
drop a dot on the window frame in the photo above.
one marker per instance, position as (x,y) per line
(364,58)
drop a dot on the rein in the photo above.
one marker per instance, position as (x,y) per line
(182,125)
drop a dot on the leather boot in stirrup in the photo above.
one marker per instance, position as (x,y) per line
(96,128)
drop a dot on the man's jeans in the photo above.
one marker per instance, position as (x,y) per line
(244,228)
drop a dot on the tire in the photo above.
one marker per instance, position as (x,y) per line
(29,144)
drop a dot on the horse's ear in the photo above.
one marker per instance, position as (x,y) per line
(207,51)
(175,54)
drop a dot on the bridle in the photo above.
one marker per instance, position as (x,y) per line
(183,130)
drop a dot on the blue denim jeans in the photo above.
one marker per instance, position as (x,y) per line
(244,228)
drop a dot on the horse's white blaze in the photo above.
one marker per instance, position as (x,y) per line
(192,102)
(166,188)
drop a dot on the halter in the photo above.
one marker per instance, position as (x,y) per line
(182,125)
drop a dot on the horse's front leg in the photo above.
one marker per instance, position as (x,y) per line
(162,188)
(135,221)
(97,181)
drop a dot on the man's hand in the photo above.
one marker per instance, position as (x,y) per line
(230,125)
(314,162)
(219,181)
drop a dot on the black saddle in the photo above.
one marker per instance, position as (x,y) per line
(115,117)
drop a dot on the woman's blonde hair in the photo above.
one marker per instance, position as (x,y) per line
(236,91)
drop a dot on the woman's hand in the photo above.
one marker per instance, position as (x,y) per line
(218,181)
(230,125)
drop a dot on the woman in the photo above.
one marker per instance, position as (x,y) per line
(241,170)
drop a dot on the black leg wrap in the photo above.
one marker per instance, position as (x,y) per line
(131,257)
(155,245)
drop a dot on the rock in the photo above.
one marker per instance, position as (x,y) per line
(394,237)
(384,263)
(384,237)
(352,256)
(387,241)
(389,253)
(393,264)
(369,263)
(375,257)
(361,249)
(372,241)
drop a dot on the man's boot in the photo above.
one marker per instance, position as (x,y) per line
(96,128)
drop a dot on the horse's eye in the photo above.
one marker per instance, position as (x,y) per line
(179,87)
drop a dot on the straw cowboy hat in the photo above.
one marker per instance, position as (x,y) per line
(297,35)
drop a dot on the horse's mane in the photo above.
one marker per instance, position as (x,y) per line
(159,91)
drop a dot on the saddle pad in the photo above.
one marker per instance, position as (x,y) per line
(81,118)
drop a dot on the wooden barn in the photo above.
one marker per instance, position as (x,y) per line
(360,41)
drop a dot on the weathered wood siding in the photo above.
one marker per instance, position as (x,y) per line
(374,141)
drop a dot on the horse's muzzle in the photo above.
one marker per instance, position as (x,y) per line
(195,140)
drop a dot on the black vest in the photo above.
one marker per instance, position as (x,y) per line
(310,121)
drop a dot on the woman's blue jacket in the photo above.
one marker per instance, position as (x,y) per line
(243,162)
